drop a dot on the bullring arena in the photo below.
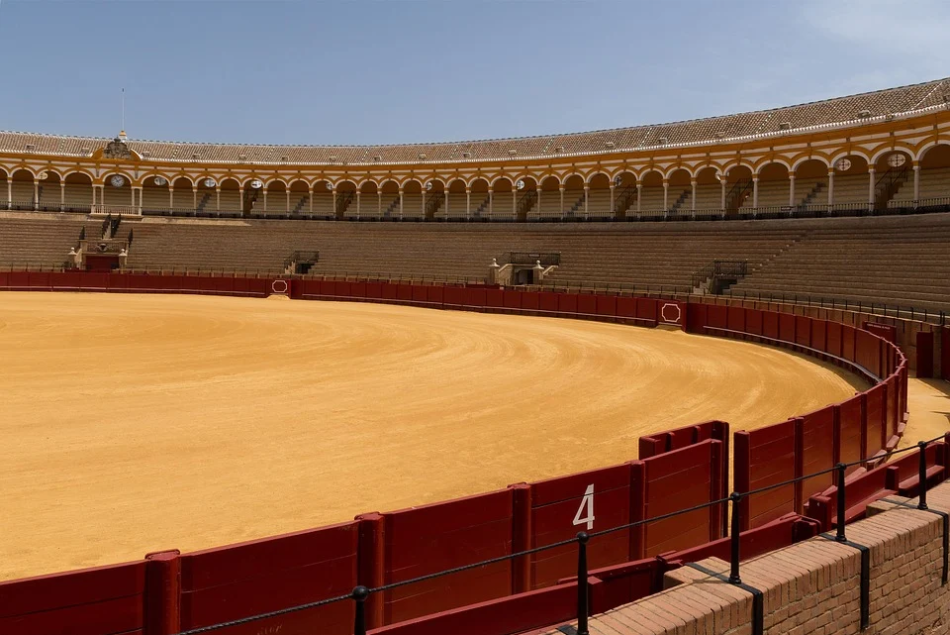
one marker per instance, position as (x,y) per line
(192,392)
(627,381)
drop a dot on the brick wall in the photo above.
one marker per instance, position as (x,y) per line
(813,587)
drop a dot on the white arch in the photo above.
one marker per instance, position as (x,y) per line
(568,175)
(834,158)
(909,152)
(676,168)
(742,163)
(410,179)
(177,177)
(22,168)
(499,177)
(927,147)
(776,160)
(813,157)
(276,179)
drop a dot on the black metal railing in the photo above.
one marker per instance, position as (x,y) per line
(915,314)
(360,594)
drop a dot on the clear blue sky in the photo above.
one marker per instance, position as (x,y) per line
(398,71)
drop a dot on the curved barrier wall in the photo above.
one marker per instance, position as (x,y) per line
(678,469)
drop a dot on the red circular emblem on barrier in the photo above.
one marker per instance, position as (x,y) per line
(279,286)
(678,313)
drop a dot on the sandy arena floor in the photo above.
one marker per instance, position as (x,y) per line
(134,423)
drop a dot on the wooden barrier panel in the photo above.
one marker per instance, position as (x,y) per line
(587,304)
(530,300)
(779,533)
(512,614)
(903,474)
(875,421)
(606,305)
(453,297)
(770,325)
(625,583)
(512,299)
(820,433)
(647,309)
(437,537)
(860,491)
(672,313)
(626,307)
(696,318)
(867,352)
(668,482)
(566,303)
(753,321)
(736,319)
(548,302)
(475,298)
(762,458)
(886,332)
(803,330)
(786,327)
(100,601)
(834,339)
(851,443)
(819,334)
(717,316)
(228,583)
(847,342)
(494,298)
(562,507)
(892,416)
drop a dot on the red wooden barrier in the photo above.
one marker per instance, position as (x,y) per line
(786,327)
(847,342)
(100,601)
(676,480)
(736,319)
(819,335)
(835,339)
(860,491)
(876,437)
(820,445)
(625,583)
(562,507)
(512,299)
(442,536)
(530,300)
(587,304)
(227,583)
(779,533)
(648,309)
(903,474)
(494,298)
(717,316)
(753,321)
(501,616)
(762,458)
(549,302)
(770,324)
(884,331)
(803,330)
(606,305)
(567,304)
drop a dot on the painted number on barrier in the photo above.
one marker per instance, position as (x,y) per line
(587,507)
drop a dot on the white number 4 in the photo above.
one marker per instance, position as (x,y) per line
(587,507)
